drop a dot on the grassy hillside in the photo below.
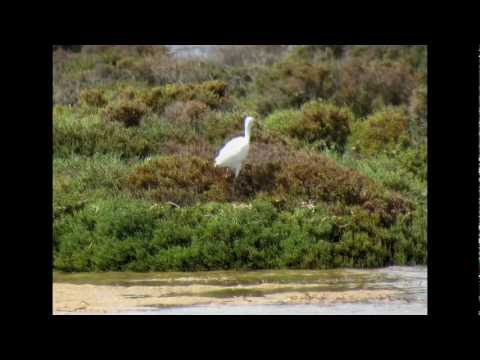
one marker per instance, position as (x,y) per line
(336,175)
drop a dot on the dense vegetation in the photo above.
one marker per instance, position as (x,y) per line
(336,174)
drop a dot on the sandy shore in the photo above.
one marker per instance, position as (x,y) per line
(108,299)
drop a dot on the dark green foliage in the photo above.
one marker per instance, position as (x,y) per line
(122,234)
(107,235)
(415,161)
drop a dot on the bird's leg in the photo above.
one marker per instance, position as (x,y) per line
(237,170)
(233,186)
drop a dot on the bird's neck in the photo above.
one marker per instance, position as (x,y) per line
(247,133)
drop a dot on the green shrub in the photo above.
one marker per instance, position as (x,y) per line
(154,98)
(128,113)
(381,131)
(415,160)
(218,88)
(418,103)
(283,121)
(317,121)
(138,69)
(126,234)
(92,97)
(128,93)
(418,111)
(74,134)
(328,123)
(218,127)
(107,235)
(407,238)
(212,93)
(79,179)
(400,171)
(359,250)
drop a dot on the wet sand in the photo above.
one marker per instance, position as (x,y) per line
(108,299)
(170,293)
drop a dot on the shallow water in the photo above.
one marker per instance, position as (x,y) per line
(267,292)
(375,308)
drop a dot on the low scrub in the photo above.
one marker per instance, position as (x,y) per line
(375,76)
(182,180)
(403,172)
(90,135)
(127,112)
(336,174)
(123,234)
(189,113)
(78,180)
(212,93)
(292,82)
(92,97)
(316,121)
(384,130)
(295,177)
(418,112)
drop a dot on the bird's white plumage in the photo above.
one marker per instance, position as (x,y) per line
(236,150)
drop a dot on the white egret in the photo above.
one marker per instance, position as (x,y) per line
(236,150)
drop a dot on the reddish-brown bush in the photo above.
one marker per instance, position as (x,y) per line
(180,179)
(368,82)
